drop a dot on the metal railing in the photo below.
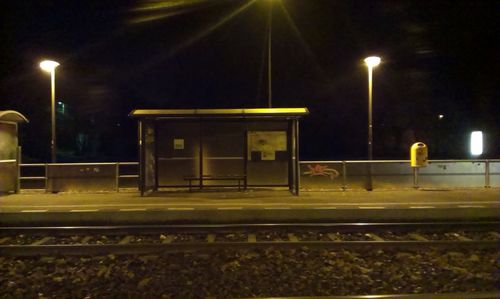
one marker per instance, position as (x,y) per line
(41,174)
(314,175)
(387,174)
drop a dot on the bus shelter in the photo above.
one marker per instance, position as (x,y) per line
(9,150)
(204,148)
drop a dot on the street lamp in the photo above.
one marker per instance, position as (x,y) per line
(371,62)
(50,67)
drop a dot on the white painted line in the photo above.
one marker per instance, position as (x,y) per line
(325,208)
(471,206)
(132,210)
(371,208)
(88,210)
(230,208)
(180,209)
(33,211)
(422,207)
(278,208)
(249,204)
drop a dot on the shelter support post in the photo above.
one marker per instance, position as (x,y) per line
(296,154)
(156,160)
(245,154)
(200,156)
(142,165)
(291,166)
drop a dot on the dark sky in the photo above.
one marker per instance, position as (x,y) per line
(439,57)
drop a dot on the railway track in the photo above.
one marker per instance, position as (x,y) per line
(87,240)
(431,260)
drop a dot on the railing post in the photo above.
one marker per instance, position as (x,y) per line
(46,177)
(487,174)
(369,186)
(18,179)
(117,176)
(415,177)
(344,175)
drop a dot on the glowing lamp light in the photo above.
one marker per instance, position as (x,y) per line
(372,61)
(476,143)
(49,65)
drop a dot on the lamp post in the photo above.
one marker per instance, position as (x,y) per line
(370,62)
(50,66)
(269,56)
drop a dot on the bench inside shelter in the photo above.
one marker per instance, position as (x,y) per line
(199,181)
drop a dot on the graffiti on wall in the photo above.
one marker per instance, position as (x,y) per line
(321,170)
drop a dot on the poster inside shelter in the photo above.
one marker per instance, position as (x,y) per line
(267,143)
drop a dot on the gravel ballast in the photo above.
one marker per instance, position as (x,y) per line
(251,273)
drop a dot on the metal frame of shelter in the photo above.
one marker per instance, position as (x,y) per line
(258,146)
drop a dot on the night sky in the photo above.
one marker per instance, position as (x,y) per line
(438,58)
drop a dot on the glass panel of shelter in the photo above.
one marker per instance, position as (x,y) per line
(224,146)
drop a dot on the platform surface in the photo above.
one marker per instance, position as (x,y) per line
(249,206)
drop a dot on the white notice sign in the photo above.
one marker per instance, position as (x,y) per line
(178,144)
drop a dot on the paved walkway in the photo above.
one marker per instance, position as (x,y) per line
(252,204)
(479,198)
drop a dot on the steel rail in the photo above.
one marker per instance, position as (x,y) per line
(341,227)
(472,295)
(149,248)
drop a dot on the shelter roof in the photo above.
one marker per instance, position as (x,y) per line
(12,116)
(216,113)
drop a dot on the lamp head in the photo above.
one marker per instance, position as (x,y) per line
(49,65)
(372,61)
